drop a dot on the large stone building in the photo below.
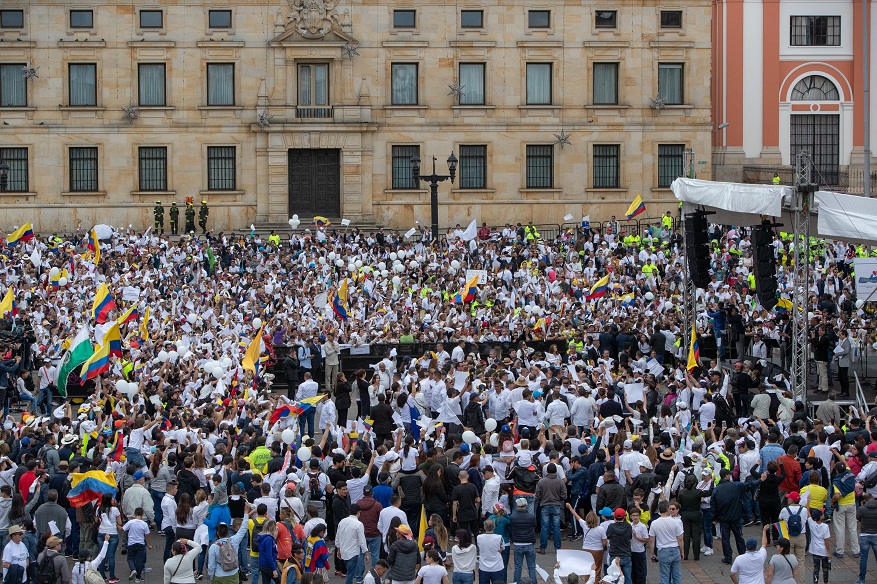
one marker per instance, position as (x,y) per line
(269,108)
(789,77)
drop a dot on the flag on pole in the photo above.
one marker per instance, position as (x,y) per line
(250,362)
(8,303)
(339,301)
(421,533)
(468,293)
(471,232)
(113,339)
(103,304)
(598,290)
(636,207)
(144,332)
(94,245)
(78,353)
(96,364)
(129,315)
(23,233)
(693,350)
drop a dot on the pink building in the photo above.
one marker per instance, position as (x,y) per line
(788,76)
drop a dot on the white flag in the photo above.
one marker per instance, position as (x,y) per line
(35,258)
(410,232)
(470,233)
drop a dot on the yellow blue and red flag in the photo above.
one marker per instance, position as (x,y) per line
(94,245)
(129,315)
(339,301)
(468,293)
(97,363)
(598,290)
(90,486)
(693,350)
(117,450)
(320,221)
(103,304)
(23,233)
(8,303)
(113,339)
(636,207)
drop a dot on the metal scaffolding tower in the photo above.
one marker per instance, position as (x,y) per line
(689,291)
(801,204)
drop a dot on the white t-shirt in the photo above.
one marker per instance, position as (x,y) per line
(432,574)
(16,553)
(489,552)
(665,530)
(641,530)
(819,532)
(594,536)
(137,531)
(750,567)
(804,513)
(108,522)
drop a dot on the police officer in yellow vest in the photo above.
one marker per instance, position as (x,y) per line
(776,179)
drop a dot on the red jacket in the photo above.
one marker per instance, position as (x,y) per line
(369,513)
(793,473)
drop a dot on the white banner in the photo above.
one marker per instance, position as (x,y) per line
(482,276)
(866,278)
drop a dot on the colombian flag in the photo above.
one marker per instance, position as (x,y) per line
(284,411)
(103,304)
(783,305)
(250,362)
(130,314)
(23,233)
(97,363)
(8,303)
(94,245)
(113,338)
(117,451)
(320,221)
(598,290)
(144,332)
(469,291)
(90,486)
(693,351)
(636,207)
(339,301)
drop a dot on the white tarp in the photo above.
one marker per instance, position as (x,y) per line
(732,203)
(847,217)
(866,277)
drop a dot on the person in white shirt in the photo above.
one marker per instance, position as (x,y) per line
(387,514)
(169,517)
(490,491)
(819,546)
(665,535)
(490,546)
(270,502)
(15,552)
(351,544)
(748,568)
(86,562)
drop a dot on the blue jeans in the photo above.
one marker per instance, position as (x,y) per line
(44,401)
(707,527)
(31,399)
(670,565)
(137,558)
(506,552)
(490,577)
(355,568)
(110,559)
(550,521)
(626,567)
(751,508)
(525,550)
(867,542)
(374,548)
(308,417)
(72,544)
(462,578)
(255,573)
(243,555)
(157,496)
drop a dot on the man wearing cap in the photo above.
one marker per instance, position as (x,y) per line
(15,552)
(52,555)
(522,533)
(619,534)
(748,568)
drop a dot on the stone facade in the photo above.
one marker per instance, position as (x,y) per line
(287,55)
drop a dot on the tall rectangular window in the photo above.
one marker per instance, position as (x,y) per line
(151,18)
(605,83)
(403,178)
(540,167)
(670,162)
(473,167)
(607,162)
(81,19)
(152,84)
(153,168)
(83,170)
(404,18)
(538,83)
(220,83)
(313,84)
(83,84)
(539,18)
(16,158)
(221,174)
(471,19)
(11,18)
(404,82)
(670,83)
(815,31)
(219,19)
(13,85)
(472,82)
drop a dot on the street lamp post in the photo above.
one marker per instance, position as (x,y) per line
(433,180)
(4,176)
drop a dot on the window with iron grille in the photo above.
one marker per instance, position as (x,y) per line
(670,162)
(403,177)
(473,167)
(83,170)
(152,162)
(221,161)
(607,166)
(16,158)
(540,167)
(13,85)
(815,31)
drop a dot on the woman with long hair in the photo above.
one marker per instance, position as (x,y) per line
(159,475)
(266,543)
(363,403)
(342,398)
(186,525)
(435,496)
(783,566)
(769,495)
(439,533)
(689,499)
(110,519)
(594,540)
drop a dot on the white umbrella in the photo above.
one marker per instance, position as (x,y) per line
(104,231)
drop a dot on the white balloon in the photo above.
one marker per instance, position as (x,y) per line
(455,264)
(351,267)
(173,356)
(162,356)
(295,217)
(121,385)
(649,296)
(396,280)
(401,254)
(358,263)
(490,424)
(257,323)
(393,255)
(218,372)
(452,271)
(226,362)
(494,440)
(322,260)
(331,256)
(209,365)
(292,223)
(382,266)
(469,437)
(860,303)
(399,268)
(186,355)
(132,389)
(384,273)
(304,454)
(413,265)
(339,262)
(62,282)
(54,272)
(396,262)
(287,435)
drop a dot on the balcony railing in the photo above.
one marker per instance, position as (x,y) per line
(309,112)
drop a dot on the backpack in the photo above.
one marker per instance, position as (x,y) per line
(254,536)
(314,489)
(871,481)
(228,555)
(794,523)
(46,570)
(92,576)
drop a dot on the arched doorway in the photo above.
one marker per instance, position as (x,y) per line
(817,132)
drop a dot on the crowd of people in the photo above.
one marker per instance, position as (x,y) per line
(562,405)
